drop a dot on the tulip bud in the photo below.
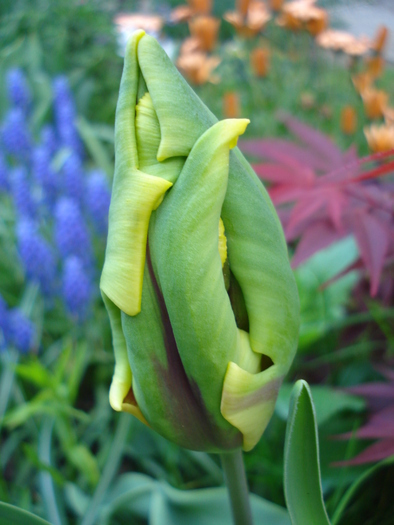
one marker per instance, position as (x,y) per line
(202,301)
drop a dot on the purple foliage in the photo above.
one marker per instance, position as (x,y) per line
(97,200)
(76,287)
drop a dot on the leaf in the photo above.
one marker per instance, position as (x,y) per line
(316,237)
(303,491)
(380,425)
(372,239)
(284,152)
(211,507)
(328,402)
(139,495)
(15,516)
(315,140)
(380,450)
(352,490)
(94,146)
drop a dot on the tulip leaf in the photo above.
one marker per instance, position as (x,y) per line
(11,514)
(139,496)
(303,491)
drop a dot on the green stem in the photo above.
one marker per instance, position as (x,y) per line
(235,478)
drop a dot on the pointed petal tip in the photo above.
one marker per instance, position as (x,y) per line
(134,40)
(118,391)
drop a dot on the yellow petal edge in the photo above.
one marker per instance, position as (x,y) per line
(248,400)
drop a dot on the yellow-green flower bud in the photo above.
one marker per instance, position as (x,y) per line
(202,301)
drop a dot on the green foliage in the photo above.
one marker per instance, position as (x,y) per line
(302,482)
(69,37)
(11,514)
(64,454)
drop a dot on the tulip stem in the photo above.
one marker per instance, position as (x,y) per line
(237,486)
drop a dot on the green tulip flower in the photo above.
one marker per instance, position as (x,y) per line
(202,301)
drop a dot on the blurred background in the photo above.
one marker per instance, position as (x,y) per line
(316,80)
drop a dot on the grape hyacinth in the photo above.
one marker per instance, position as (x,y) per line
(44,175)
(76,287)
(97,200)
(15,134)
(71,234)
(36,255)
(21,192)
(18,90)
(3,173)
(73,177)
(51,193)
(65,115)
(48,139)
(21,331)
(4,329)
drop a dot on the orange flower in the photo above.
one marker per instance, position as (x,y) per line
(231,105)
(289,21)
(388,114)
(260,61)
(343,41)
(380,39)
(252,23)
(317,22)
(202,7)
(131,22)
(380,138)
(375,65)
(375,101)
(275,5)
(362,81)
(303,14)
(197,67)
(205,30)
(348,120)
(182,13)
(242,7)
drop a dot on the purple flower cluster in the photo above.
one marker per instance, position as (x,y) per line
(60,209)
(18,89)
(16,329)
(65,115)
(36,255)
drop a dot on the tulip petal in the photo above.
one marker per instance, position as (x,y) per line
(122,378)
(134,196)
(184,240)
(248,400)
(182,115)
(148,142)
(258,259)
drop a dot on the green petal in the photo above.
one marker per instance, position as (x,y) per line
(182,115)
(134,196)
(122,378)
(248,400)
(184,246)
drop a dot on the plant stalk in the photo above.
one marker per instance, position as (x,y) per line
(235,478)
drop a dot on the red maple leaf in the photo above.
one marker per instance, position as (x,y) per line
(323,195)
(380,424)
